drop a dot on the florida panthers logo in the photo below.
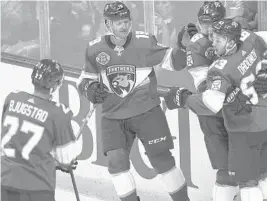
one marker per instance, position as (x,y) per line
(121,79)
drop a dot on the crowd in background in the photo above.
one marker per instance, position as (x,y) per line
(74,23)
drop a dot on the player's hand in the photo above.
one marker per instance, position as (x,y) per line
(96,92)
(176,98)
(260,83)
(240,103)
(67,168)
(191,29)
(180,38)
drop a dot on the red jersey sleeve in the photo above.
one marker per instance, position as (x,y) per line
(89,71)
(65,140)
(211,100)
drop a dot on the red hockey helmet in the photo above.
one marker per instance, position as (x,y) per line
(228,28)
(47,74)
(211,11)
(116,10)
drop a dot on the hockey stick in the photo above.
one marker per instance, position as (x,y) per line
(88,116)
(85,121)
(74,184)
(79,134)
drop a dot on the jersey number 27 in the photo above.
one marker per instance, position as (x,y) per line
(27,128)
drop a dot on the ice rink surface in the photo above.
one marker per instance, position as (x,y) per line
(64,195)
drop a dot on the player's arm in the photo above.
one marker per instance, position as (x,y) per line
(165,57)
(192,77)
(209,102)
(66,148)
(260,83)
(5,106)
(89,84)
(262,37)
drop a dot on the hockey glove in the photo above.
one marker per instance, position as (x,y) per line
(66,168)
(240,103)
(180,38)
(177,98)
(260,84)
(191,29)
(96,92)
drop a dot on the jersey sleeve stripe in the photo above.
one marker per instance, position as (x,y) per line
(166,62)
(66,153)
(199,74)
(213,100)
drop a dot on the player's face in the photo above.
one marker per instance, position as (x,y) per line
(205,28)
(57,86)
(219,43)
(121,28)
(164,8)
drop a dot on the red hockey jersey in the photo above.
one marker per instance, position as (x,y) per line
(128,73)
(31,128)
(228,72)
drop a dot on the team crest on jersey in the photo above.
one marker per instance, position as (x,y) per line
(103,58)
(216,85)
(122,79)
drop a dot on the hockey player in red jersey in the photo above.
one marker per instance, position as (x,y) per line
(229,87)
(118,73)
(200,55)
(33,127)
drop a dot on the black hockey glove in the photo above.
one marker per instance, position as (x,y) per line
(240,103)
(191,29)
(176,98)
(66,168)
(260,83)
(95,92)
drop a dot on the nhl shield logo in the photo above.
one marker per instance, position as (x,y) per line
(103,58)
(121,79)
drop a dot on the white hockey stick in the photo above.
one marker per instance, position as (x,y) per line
(85,121)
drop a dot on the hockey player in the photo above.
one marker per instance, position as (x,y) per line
(33,126)
(200,55)
(229,87)
(118,73)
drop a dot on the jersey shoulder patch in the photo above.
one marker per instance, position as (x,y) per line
(95,41)
(196,37)
(219,64)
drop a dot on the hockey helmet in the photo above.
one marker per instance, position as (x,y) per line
(227,28)
(211,11)
(47,74)
(116,10)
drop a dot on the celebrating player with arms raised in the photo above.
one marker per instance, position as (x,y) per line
(33,126)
